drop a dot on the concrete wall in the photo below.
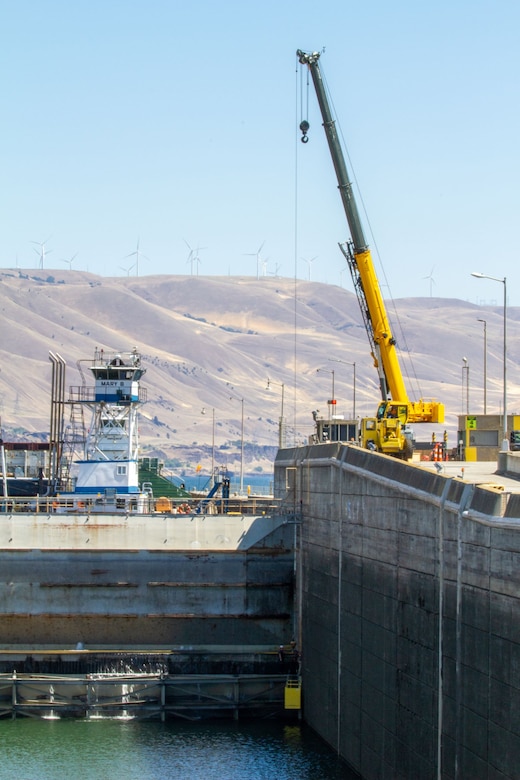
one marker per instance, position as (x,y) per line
(509,463)
(387,548)
(170,582)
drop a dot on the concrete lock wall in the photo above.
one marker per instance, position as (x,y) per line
(385,549)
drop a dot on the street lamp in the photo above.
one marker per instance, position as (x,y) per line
(485,363)
(332,401)
(347,363)
(281,423)
(505,442)
(465,370)
(241,445)
(212,443)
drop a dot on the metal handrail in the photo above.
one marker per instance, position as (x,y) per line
(76,504)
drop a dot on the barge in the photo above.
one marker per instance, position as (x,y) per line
(114,601)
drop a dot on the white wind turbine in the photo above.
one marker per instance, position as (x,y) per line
(137,254)
(127,269)
(193,257)
(258,259)
(432,280)
(190,256)
(70,261)
(309,263)
(42,251)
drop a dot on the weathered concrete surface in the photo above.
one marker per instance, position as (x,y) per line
(111,581)
(30,530)
(387,548)
(509,463)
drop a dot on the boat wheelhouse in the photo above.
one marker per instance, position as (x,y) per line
(106,474)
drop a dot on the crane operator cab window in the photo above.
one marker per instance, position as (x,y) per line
(402,413)
(382,410)
(392,412)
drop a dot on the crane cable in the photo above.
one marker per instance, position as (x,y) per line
(295,299)
(304,123)
(406,351)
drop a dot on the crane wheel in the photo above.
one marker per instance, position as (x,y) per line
(408,450)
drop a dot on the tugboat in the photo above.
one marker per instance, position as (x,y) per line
(106,477)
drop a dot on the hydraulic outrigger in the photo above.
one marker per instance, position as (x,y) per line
(390,430)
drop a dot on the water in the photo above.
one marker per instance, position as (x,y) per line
(111,750)
(259,484)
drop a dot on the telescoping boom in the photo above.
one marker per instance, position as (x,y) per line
(390,436)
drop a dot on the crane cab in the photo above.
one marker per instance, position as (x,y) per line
(393,411)
(388,432)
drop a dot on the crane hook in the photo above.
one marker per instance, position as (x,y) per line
(304,127)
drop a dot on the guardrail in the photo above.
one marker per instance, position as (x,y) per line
(234,505)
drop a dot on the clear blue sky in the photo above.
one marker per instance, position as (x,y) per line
(177,123)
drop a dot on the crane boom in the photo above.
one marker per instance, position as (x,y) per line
(366,284)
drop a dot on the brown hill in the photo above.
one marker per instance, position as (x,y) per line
(209,342)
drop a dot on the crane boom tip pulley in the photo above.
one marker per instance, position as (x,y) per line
(307,58)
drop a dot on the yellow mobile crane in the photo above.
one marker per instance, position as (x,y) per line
(389,431)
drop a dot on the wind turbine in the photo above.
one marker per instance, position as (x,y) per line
(432,280)
(41,253)
(190,256)
(257,255)
(193,256)
(309,263)
(70,261)
(130,267)
(137,254)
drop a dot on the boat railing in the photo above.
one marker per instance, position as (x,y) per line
(140,505)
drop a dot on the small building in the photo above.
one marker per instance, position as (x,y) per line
(335,428)
(480,436)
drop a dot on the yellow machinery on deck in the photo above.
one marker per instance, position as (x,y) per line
(389,431)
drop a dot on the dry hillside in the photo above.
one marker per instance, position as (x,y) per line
(209,342)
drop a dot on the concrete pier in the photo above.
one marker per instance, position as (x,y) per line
(410,613)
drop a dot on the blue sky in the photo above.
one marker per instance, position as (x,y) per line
(177,124)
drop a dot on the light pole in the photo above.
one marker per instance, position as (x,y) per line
(332,401)
(354,391)
(241,445)
(242,450)
(346,363)
(281,424)
(485,363)
(465,370)
(212,443)
(505,441)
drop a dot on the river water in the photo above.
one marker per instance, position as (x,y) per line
(134,750)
